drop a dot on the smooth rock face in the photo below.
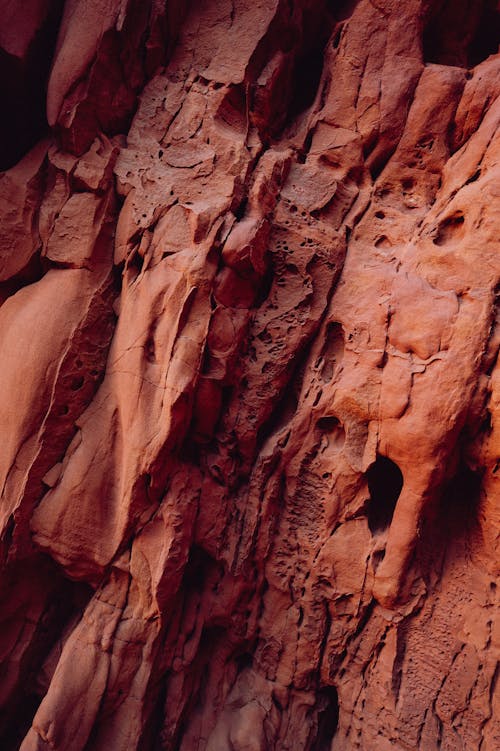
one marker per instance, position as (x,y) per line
(249,392)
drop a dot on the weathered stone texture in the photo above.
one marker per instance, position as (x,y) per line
(249,392)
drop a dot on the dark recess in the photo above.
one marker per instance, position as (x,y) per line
(460,504)
(385,482)
(308,65)
(31,273)
(65,600)
(23,90)
(328,423)
(487,38)
(342,9)
(328,718)
(462,33)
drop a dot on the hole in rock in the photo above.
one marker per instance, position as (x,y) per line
(487,38)
(200,568)
(449,228)
(318,396)
(377,558)
(77,383)
(232,112)
(328,717)
(328,424)
(383,242)
(462,33)
(308,67)
(385,482)
(23,82)
(135,262)
(334,431)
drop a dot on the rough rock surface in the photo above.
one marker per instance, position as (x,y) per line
(249,392)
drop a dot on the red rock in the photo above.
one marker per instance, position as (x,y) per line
(250,396)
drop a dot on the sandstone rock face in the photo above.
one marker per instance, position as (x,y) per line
(250,397)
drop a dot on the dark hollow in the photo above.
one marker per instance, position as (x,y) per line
(461,502)
(23,88)
(462,33)
(385,482)
(328,717)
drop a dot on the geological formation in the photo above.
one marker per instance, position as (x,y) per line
(249,390)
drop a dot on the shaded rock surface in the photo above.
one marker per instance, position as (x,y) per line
(249,393)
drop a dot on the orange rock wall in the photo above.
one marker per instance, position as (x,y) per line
(249,391)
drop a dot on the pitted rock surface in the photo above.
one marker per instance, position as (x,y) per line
(249,393)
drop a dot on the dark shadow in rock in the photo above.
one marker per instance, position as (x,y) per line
(64,601)
(23,89)
(450,229)
(487,39)
(328,717)
(462,33)
(309,62)
(460,503)
(385,482)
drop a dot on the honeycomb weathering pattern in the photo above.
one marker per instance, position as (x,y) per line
(249,392)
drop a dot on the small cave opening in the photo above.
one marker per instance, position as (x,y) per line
(23,84)
(232,111)
(333,433)
(308,65)
(486,41)
(328,718)
(328,423)
(200,569)
(385,482)
(462,33)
